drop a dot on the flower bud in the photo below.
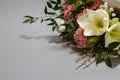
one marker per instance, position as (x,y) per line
(61,29)
(105,6)
(111,9)
(113,14)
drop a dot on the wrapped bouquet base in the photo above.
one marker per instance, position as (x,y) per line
(90,27)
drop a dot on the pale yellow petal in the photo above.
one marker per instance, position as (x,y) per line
(112,34)
(94,23)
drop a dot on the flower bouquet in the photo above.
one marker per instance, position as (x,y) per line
(91,26)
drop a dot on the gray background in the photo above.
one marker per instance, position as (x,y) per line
(33,57)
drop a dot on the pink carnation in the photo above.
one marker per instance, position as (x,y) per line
(70,7)
(95,6)
(68,11)
(80,14)
(79,38)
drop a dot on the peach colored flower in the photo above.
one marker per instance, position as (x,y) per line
(79,38)
(70,7)
(80,14)
(68,11)
(95,6)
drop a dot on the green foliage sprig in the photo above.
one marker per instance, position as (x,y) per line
(50,16)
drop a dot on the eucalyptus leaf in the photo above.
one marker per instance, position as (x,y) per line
(70,2)
(51,13)
(47,19)
(45,10)
(29,17)
(27,21)
(53,2)
(49,4)
(56,7)
(51,24)
(53,28)
(42,20)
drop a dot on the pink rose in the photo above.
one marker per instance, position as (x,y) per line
(79,38)
(95,6)
(80,14)
(68,11)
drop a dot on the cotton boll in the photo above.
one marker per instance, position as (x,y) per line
(61,29)
(60,22)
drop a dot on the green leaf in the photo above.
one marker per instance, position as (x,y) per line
(78,4)
(53,2)
(56,7)
(91,2)
(70,34)
(27,21)
(60,16)
(58,1)
(32,21)
(84,1)
(114,53)
(51,13)
(62,34)
(53,28)
(47,19)
(29,17)
(108,62)
(109,12)
(52,20)
(49,5)
(79,10)
(70,2)
(99,57)
(51,24)
(45,10)
(42,20)
(113,45)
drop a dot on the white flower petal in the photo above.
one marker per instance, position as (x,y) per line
(94,23)
(112,34)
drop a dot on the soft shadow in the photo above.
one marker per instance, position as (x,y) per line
(116,61)
(51,39)
(65,44)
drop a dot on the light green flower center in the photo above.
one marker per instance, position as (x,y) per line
(99,23)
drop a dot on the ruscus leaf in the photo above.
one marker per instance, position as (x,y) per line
(108,62)
(113,45)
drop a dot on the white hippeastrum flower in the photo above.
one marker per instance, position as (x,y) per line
(112,34)
(94,23)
